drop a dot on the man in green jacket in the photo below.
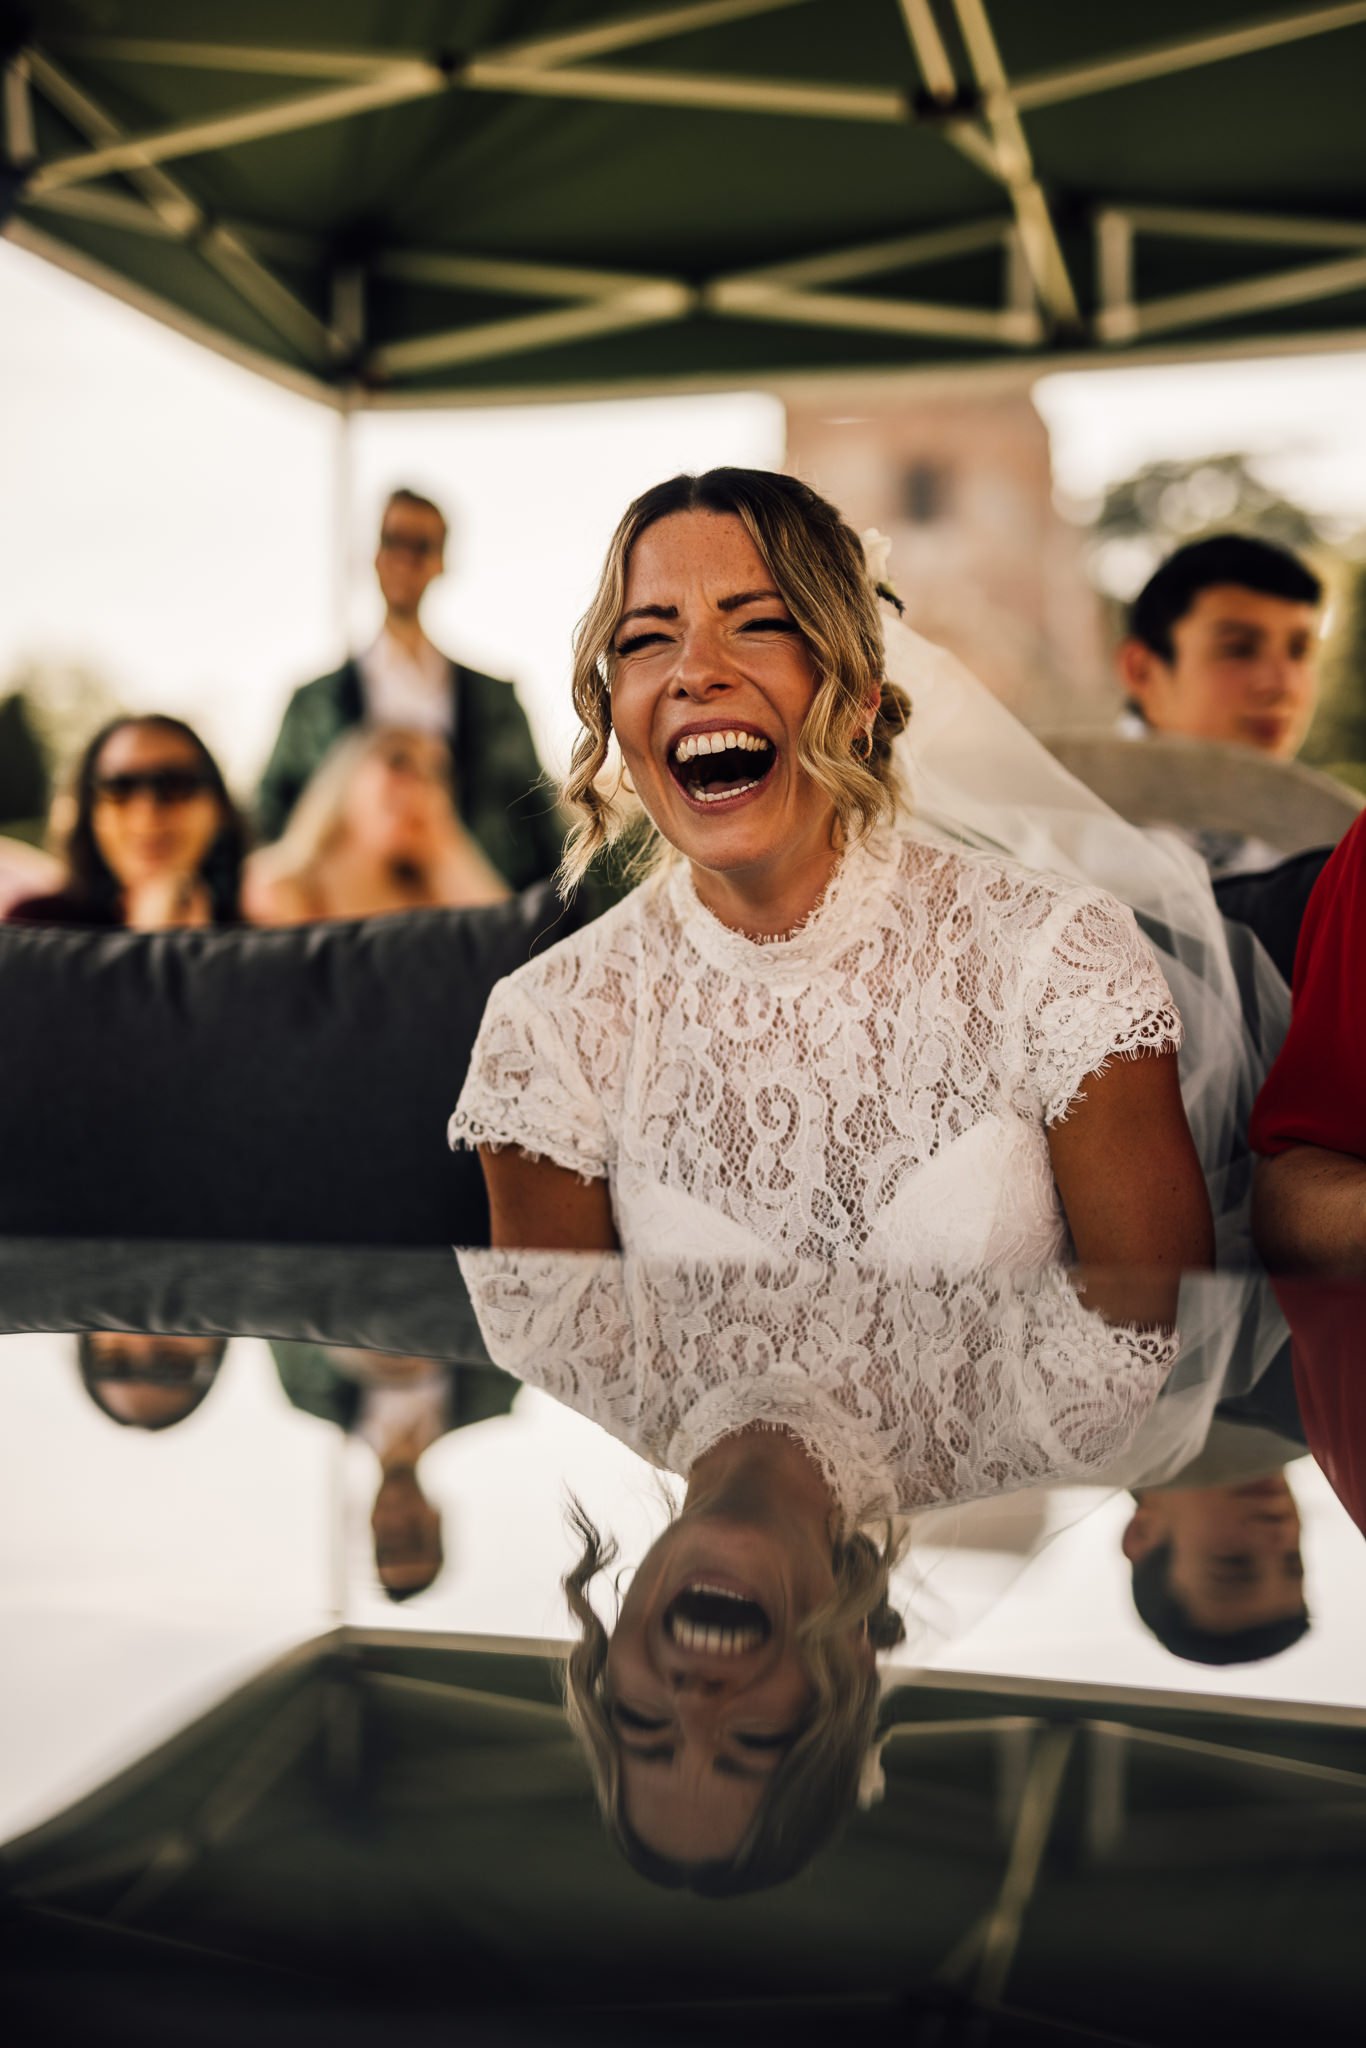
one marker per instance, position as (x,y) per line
(403,680)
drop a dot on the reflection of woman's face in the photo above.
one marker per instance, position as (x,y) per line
(399,801)
(154,812)
(706,1685)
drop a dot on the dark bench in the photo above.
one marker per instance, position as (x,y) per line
(284,1086)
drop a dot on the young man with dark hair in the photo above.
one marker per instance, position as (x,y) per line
(403,680)
(1223,644)
(1217,1572)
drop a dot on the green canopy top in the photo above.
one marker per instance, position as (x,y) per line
(451,200)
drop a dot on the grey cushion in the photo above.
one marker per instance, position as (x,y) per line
(286,1086)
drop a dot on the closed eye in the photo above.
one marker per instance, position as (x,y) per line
(783,1740)
(638,640)
(768,626)
(627,1717)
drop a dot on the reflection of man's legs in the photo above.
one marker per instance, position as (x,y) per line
(407,1533)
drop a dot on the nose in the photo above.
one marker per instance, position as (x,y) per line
(1280,676)
(691,1680)
(702,671)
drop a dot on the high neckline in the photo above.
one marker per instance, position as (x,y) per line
(782,955)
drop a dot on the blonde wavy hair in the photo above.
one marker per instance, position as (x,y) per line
(816,1785)
(318,819)
(817,565)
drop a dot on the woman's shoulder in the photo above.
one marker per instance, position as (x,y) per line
(1004,890)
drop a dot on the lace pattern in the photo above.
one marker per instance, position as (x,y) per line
(877,1085)
(908,1389)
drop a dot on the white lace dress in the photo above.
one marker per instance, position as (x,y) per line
(908,1388)
(878,1085)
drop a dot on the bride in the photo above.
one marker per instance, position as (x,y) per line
(817,1030)
(810,1029)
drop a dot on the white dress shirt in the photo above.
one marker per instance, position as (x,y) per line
(405,689)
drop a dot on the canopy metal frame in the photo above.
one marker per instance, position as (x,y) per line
(968,100)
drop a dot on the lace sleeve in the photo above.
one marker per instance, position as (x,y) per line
(1095,993)
(525,1086)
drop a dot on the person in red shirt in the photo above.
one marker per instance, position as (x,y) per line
(1309,1123)
(1309,1212)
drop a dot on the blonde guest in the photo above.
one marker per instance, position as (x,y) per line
(375,830)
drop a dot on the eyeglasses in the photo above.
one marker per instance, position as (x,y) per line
(164,786)
(421,546)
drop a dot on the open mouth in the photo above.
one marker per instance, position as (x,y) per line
(708,1618)
(715,767)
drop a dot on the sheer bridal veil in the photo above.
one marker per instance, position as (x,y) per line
(977,778)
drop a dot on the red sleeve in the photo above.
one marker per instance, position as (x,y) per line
(1315,1094)
(1325,1319)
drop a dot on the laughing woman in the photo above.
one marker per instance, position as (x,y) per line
(812,1032)
(809,1031)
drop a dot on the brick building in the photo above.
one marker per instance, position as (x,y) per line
(962,483)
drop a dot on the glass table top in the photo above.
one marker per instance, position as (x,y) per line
(283,1537)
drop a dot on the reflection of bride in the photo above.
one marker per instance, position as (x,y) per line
(728,1713)
(819,1029)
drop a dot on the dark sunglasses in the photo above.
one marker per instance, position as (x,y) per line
(406,544)
(162,785)
(154,1367)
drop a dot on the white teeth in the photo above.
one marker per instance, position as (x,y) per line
(696,743)
(709,1638)
(716,792)
(714,1642)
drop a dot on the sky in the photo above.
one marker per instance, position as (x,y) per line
(172,521)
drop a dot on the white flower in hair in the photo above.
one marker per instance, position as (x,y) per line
(872,1779)
(877,555)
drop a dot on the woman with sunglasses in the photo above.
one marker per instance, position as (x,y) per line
(154,839)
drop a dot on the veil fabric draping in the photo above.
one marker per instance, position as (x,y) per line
(978,778)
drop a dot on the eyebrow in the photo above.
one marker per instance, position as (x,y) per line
(723,604)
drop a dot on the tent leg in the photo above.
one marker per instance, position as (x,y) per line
(343,487)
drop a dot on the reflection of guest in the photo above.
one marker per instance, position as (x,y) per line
(148,1382)
(155,840)
(400,1407)
(375,830)
(404,681)
(1217,1571)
